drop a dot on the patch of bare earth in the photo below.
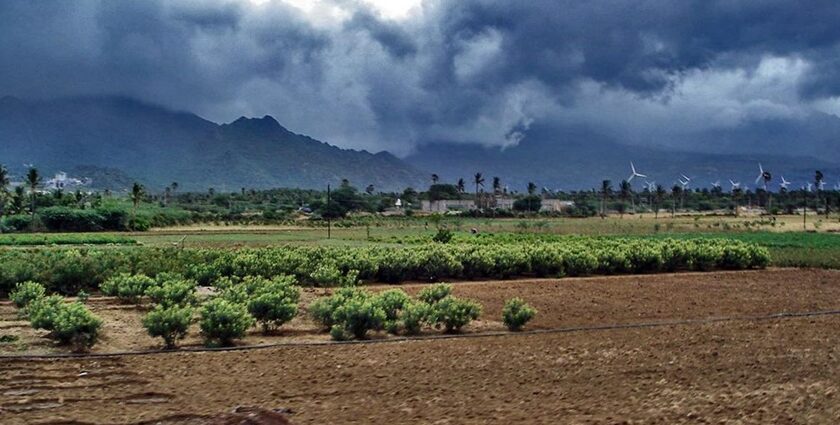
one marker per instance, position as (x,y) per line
(768,371)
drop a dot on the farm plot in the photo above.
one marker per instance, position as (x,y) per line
(765,371)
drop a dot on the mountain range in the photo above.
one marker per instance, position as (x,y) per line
(115,141)
(118,138)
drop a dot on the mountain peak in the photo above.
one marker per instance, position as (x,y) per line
(266,126)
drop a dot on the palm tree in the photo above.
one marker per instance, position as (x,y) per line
(497,185)
(660,195)
(435,179)
(461,186)
(18,200)
(606,189)
(33,179)
(369,189)
(478,179)
(675,192)
(818,178)
(625,190)
(136,196)
(4,188)
(532,188)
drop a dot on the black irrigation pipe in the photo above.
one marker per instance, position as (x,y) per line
(643,325)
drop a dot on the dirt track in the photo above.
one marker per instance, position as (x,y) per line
(771,371)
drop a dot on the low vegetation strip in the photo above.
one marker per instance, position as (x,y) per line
(71,270)
(64,239)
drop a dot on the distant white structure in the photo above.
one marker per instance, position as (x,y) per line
(445,205)
(62,182)
(398,204)
(555,205)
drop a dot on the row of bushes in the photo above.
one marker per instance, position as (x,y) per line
(68,323)
(70,270)
(109,217)
(349,312)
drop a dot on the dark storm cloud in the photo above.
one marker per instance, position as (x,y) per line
(465,70)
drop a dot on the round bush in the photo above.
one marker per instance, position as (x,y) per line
(178,292)
(413,316)
(223,321)
(516,313)
(76,325)
(453,313)
(43,311)
(274,303)
(392,301)
(127,287)
(359,315)
(323,309)
(26,292)
(435,293)
(168,322)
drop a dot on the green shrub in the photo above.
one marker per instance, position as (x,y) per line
(168,322)
(392,302)
(435,293)
(127,287)
(516,313)
(274,303)
(323,309)
(223,321)
(26,292)
(337,333)
(443,235)
(43,311)
(74,324)
(413,316)
(359,315)
(453,313)
(178,292)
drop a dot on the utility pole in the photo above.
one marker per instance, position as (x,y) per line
(804,209)
(329,228)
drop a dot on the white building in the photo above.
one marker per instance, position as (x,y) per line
(62,182)
(445,205)
(555,205)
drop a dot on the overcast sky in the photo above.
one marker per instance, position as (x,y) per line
(392,74)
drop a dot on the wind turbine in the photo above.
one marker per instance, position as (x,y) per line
(808,186)
(763,175)
(634,173)
(735,185)
(716,184)
(784,184)
(687,181)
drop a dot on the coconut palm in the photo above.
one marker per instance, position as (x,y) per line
(659,195)
(497,185)
(625,191)
(4,188)
(461,186)
(606,190)
(818,184)
(532,188)
(478,179)
(137,193)
(33,180)
(435,179)
(676,192)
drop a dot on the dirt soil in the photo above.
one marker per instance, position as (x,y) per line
(783,370)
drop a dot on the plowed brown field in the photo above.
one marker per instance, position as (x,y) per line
(782,370)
